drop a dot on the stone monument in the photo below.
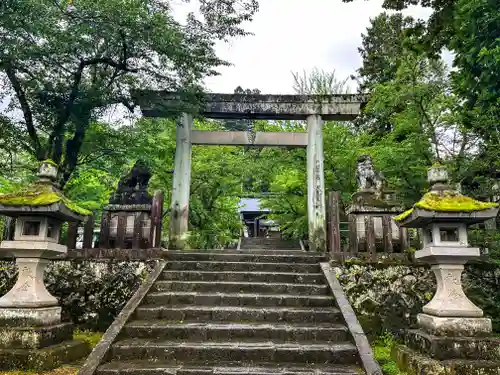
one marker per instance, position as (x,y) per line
(452,330)
(372,201)
(32,335)
(130,203)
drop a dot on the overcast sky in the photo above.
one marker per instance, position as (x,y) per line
(293,35)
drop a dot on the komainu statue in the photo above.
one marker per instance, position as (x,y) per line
(367,178)
(132,188)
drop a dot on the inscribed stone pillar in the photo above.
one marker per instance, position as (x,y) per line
(179,209)
(316,211)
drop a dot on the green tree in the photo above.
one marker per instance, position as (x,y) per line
(476,80)
(437,31)
(63,63)
(382,45)
(419,105)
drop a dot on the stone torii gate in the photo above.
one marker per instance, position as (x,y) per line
(314,109)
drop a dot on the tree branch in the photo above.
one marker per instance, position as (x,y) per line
(26,109)
(73,145)
(88,158)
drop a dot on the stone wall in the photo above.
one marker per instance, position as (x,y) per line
(389,296)
(90,293)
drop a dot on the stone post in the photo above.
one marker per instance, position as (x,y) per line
(179,209)
(316,211)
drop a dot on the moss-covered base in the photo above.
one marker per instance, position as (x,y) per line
(414,363)
(43,359)
(443,348)
(34,337)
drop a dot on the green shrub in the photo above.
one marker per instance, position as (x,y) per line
(91,338)
(382,351)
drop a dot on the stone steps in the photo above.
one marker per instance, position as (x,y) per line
(147,367)
(236,313)
(240,287)
(235,331)
(243,266)
(248,243)
(266,277)
(286,257)
(191,313)
(238,299)
(253,251)
(214,351)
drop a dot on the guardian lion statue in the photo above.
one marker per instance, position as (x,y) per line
(367,178)
(132,188)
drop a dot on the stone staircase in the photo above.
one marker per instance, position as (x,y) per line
(219,312)
(261,243)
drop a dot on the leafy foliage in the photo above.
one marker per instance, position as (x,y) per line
(63,63)
(382,351)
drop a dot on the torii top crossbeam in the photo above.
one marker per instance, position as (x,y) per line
(342,107)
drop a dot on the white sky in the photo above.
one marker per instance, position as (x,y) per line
(293,35)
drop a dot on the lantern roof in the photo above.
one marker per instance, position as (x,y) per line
(441,204)
(42,198)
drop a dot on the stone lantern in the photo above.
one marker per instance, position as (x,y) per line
(30,317)
(451,327)
(443,216)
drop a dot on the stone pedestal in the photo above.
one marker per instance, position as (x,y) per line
(450,312)
(366,204)
(134,220)
(424,353)
(32,336)
(453,334)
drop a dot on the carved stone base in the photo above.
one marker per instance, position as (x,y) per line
(29,290)
(451,326)
(46,358)
(444,348)
(29,317)
(34,338)
(414,363)
(450,299)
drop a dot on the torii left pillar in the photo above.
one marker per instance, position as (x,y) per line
(179,208)
(316,211)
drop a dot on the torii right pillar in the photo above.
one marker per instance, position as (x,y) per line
(316,211)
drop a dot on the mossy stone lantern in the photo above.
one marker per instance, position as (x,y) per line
(40,212)
(443,216)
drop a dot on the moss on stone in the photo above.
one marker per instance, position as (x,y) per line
(40,195)
(91,338)
(49,161)
(447,201)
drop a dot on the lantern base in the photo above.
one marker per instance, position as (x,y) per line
(46,358)
(424,353)
(35,337)
(454,326)
(30,316)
